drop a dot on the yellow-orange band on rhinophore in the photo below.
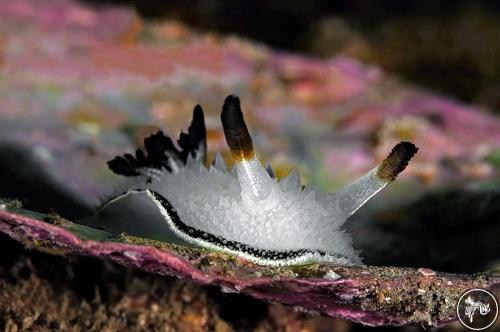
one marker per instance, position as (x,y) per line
(396,161)
(240,155)
(237,136)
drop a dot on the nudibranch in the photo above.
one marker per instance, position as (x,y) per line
(172,196)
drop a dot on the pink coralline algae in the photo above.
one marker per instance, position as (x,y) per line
(369,295)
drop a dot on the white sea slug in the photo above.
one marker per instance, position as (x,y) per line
(246,211)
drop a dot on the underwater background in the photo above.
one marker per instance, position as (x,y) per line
(327,87)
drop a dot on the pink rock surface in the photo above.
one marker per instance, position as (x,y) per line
(369,295)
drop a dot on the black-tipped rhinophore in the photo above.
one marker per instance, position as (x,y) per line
(236,132)
(396,161)
(161,152)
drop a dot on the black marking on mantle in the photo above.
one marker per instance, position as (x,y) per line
(227,244)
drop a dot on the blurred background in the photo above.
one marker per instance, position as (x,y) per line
(448,46)
(327,87)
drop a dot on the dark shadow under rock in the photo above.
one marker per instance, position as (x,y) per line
(25,178)
(455,231)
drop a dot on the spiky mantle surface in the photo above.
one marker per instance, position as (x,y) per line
(290,219)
